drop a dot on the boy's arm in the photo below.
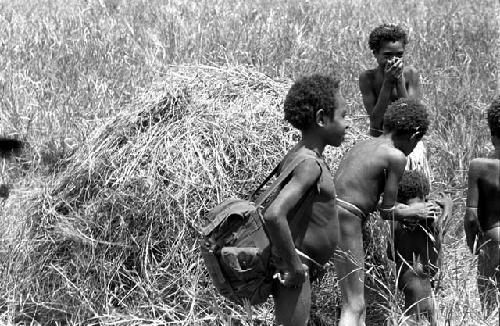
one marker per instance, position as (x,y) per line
(446,205)
(375,106)
(471,221)
(415,212)
(396,167)
(276,223)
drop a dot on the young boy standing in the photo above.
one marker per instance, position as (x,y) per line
(417,248)
(482,215)
(389,81)
(370,168)
(302,221)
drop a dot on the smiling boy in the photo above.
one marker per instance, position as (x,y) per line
(391,79)
(302,221)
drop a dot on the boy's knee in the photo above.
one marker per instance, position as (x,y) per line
(356,305)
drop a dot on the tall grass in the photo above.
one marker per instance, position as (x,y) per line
(67,66)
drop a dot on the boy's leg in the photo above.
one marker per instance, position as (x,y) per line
(488,273)
(292,305)
(349,262)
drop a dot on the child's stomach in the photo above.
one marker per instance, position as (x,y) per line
(319,243)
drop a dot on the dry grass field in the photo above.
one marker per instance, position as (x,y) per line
(141,115)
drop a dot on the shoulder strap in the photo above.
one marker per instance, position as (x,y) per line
(266,180)
(283,175)
(273,172)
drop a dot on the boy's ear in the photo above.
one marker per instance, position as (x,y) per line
(320,117)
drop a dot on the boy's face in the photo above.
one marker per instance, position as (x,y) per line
(335,127)
(388,52)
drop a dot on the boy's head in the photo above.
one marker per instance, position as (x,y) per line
(407,121)
(414,186)
(314,103)
(387,42)
(494,118)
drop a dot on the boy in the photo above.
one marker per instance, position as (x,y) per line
(302,221)
(370,168)
(482,215)
(389,81)
(417,248)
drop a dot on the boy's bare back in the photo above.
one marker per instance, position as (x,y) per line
(484,175)
(361,176)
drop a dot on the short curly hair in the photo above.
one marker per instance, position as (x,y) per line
(384,33)
(413,184)
(406,116)
(306,96)
(494,117)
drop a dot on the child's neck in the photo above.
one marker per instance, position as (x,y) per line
(312,142)
(393,140)
(388,137)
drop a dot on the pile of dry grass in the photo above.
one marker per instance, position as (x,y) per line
(117,232)
(115,238)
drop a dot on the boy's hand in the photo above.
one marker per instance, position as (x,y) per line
(445,201)
(425,210)
(394,69)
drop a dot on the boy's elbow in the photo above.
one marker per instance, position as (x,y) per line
(470,216)
(271,217)
(471,225)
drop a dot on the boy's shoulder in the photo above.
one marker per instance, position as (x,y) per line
(309,166)
(410,68)
(381,149)
(410,71)
(483,164)
(368,75)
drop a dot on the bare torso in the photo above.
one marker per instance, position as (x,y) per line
(314,225)
(360,178)
(417,241)
(488,183)
(375,78)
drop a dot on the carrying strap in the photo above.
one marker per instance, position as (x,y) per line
(282,176)
(266,180)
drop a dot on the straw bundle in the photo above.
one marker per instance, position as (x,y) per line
(115,239)
(118,230)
